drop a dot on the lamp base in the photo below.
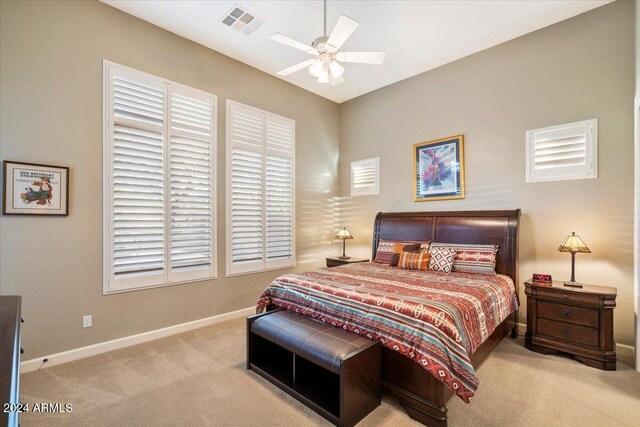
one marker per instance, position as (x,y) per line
(573,284)
(344,257)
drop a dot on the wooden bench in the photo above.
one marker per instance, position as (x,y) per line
(334,372)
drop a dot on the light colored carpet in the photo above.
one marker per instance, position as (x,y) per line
(198,378)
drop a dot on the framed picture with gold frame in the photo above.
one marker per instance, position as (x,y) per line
(439,169)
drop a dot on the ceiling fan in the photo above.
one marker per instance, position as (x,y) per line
(325,66)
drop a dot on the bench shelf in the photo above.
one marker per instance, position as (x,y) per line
(343,391)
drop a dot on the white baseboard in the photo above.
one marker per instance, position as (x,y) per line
(92,350)
(624,353)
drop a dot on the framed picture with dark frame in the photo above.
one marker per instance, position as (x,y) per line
(439,169)
(35,189)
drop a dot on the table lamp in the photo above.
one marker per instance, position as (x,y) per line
(573,244)
(344,235)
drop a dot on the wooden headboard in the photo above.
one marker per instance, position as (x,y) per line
(470,227)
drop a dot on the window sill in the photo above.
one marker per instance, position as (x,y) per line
(106,291)
(265,270)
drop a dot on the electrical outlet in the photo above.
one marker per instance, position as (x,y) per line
(87,321)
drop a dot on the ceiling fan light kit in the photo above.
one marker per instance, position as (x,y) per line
(325,67)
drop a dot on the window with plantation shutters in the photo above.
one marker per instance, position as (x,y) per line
(365,177)
(260,190)
(159,185)
(562,152)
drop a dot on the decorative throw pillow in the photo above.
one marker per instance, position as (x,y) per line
(441,258)
(386,249)
(476,259)
(414,260)
(414,247)
(424,247)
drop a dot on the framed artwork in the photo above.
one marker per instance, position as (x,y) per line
(34,189)
(439,169)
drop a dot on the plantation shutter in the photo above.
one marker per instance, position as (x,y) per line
(159,188)
(137,220)
(260,208)
(562,152)
(191,183)
(365,177)
(279,137)
(246,135)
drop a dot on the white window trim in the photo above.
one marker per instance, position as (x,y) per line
(592,153)
(375,189)
(130,284)
(252,267)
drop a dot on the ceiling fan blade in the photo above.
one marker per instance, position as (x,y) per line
(335,82)
(341,32)
(280,38)
(297,67)
(361,57)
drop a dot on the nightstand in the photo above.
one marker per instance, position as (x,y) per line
(577,321)
(336,261)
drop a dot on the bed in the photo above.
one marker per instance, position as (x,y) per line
(406,373)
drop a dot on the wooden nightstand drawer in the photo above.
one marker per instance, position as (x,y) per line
(568,332)
(569,313)
(572,320)
(568,296)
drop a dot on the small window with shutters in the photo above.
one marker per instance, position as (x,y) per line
(159,183)
(562,152)
(365,177)
(260,190)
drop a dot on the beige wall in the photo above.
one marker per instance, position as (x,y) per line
(51,112)
(578,69)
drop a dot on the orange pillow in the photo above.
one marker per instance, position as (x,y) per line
(406,248)
(414,260)
(398,246)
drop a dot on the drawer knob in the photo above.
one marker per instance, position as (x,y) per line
(565,296)
(566,314)
(565,331)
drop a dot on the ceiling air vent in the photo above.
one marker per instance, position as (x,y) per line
(241,20)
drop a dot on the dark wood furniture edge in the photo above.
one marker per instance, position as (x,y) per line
(586,288)
(418,408)
(360,404)
(10,319)
(336,261)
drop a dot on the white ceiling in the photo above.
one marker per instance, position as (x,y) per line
(417,35)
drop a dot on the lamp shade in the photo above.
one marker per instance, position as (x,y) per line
(574,244)
(343,234)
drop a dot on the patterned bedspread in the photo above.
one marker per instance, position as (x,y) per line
(436,319)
